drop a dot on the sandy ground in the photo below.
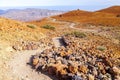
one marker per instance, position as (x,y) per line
(21,70)
(58,41)
(5,54)
(13,65)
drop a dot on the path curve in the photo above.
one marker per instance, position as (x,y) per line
(20,70)
(72,25)
(58,41)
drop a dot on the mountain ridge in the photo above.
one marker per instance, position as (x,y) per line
(29,14)
(2,11)
(113,10)
(99,18)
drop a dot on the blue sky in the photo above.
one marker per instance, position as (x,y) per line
(5,3)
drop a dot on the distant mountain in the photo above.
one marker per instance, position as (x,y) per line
(77,13)
(2,11)
(114,10)
(29,14)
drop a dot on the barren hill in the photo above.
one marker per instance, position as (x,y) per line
(11,30)
(113,10)
(29,14)
(77,13)
(92,18)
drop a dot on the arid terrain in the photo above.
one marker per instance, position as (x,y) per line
(76,45)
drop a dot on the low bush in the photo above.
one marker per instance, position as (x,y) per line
(101,48)
(77,34)
(48,27)
(118,15)
(31,26)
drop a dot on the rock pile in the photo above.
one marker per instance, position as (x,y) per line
(78,61)
(32,45)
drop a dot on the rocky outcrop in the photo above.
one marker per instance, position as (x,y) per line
(79,60)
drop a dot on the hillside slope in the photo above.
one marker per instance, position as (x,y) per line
(29,14)
(113,10)
(93,18)
(11,30)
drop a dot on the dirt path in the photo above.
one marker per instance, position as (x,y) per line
(58,41)
(20,70)
(72,25)
(5,54)
(96,31)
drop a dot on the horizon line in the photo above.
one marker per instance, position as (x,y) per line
(58,7)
